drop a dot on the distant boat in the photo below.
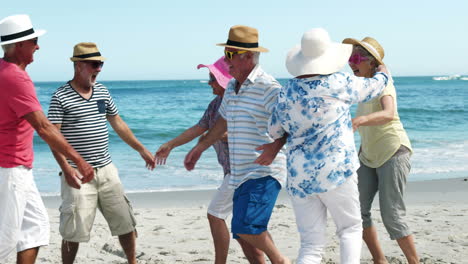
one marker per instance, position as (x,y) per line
(447,78)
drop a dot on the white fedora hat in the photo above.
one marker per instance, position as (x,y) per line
(317,54)
(17,28)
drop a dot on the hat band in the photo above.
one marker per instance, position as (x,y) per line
(89,55)
(369,46)
(242,44)
(17,35)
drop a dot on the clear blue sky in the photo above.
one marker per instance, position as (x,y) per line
(152,40)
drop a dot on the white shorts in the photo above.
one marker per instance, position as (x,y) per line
(221,204)
(24,222)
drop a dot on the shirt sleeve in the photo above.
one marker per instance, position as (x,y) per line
(205,120)
(271,96)
(111,108)
(275,129)
(365,89)
(24,99)
(55,114)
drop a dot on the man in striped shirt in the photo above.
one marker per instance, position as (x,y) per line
(81,109)
(247,105)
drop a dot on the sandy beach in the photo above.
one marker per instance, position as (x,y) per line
(173,228)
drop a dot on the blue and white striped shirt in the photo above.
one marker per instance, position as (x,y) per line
(247,114)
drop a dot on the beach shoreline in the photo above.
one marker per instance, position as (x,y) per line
(173,228)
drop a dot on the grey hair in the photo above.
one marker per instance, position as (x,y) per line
(256,56)
(7,47)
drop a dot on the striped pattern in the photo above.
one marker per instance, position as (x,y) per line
(247,115)
(84,122)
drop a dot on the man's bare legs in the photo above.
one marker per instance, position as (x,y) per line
(69,250)
(27,256)
(265,243)
(128,243)
(369,235)
(407,246)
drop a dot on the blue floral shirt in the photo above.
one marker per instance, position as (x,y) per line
(315,112)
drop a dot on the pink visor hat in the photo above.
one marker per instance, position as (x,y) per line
(220,70)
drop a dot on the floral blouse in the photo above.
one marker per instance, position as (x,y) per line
(315,112)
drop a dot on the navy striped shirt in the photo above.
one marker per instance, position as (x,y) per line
(84,122)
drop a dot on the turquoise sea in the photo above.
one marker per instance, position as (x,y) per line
(432,111)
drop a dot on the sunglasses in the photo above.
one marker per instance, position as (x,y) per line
(95,64)
(34,40)
(228,54)
(357,58)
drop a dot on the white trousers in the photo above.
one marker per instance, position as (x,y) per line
(311,219)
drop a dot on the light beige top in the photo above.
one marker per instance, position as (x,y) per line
(379,143)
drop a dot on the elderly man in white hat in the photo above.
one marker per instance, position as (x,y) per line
(75,107)
(314,111)
(24,224)
(247,105)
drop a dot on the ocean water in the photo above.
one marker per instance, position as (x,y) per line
(432,111)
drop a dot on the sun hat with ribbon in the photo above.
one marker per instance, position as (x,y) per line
(86,51)
(369,44)
(317,54)
(17,28)
(220,71)
(243,38)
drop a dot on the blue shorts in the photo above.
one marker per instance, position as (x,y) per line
(253,204)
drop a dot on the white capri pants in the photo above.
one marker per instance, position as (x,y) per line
(311,219)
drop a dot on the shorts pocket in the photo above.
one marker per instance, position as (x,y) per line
(67,222)
(257,212)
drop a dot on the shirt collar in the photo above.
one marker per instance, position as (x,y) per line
(257,70)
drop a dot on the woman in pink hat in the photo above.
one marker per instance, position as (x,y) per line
(221,204)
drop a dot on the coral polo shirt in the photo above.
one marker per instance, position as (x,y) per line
(17,98)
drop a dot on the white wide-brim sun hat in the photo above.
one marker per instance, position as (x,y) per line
(17,28)
(317,54)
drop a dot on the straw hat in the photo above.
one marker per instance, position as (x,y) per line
(317,54)
(220,71)
(243,38)
(369,44)
(17,28)
(86,51)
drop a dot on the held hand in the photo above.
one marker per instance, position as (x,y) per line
(162,153)
(269,153)
(73,178)
(192,157)
(358,121)
(148,158)
(86,171)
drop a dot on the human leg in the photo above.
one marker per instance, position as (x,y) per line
(311,220)
(343,205)
(69,251)
(392,178)
(128,243)
(27,256)
(220,234)
(264,242)
(368,186)
(253,254)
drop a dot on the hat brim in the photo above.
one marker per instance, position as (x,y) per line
(220,77)
(258,49)
(359,43)
(97,58)
(36,34)
(332,60)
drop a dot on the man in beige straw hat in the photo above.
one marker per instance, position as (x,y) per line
(81,109)
(24,224)
(247,105)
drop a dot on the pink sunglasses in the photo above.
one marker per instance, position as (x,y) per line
(357,58)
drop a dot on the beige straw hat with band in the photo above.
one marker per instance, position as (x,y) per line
(86,51)
(243,38)
(369,44)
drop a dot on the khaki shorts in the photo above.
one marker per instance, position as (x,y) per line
(105,192)
(221,204)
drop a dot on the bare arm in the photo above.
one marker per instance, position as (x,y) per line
(124,132)
(52,136)
(188,135)
(377,118)
(216,133)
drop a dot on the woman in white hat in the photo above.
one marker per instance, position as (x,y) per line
(314,110)
(384,155)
